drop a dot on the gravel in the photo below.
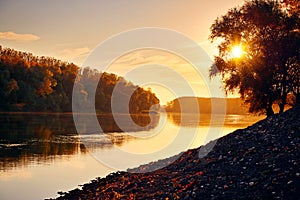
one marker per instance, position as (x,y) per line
(259,162)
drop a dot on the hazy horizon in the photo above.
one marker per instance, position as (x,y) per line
(71,31)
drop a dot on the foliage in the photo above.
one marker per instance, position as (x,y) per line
(31,83)
(268,71)
(292,6)
(112,86)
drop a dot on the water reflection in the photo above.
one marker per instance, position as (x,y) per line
(196,120)
(132,123)
(41,138)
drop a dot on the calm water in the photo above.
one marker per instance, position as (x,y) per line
(41,154)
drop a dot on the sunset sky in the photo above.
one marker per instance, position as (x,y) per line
(70,29)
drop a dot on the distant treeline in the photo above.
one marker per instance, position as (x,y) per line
(32,83)
(204,105)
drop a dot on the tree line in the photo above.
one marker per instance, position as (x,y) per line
(32,83)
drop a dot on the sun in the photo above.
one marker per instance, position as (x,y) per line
(237,51)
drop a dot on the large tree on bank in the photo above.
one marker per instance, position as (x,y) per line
(259,53)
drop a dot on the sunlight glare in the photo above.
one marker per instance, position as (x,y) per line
(237,51)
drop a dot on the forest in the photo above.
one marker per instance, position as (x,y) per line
(30,83)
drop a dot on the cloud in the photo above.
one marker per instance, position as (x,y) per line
(18,37)
(72,53)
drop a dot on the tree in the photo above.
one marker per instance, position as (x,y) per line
(259,53)
(31,83)
(292,6)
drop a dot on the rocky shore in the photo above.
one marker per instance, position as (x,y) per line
(259,162)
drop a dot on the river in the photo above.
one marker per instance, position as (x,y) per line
(42,153)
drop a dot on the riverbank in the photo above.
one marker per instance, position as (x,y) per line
(259,162)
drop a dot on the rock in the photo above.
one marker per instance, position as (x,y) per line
(259,162)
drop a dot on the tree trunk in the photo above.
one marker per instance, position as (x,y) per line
(270,111)
(283,92)
(282,104)
(281,108)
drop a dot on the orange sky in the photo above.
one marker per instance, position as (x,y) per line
(70,30)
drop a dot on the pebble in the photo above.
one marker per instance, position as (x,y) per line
(259,162)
